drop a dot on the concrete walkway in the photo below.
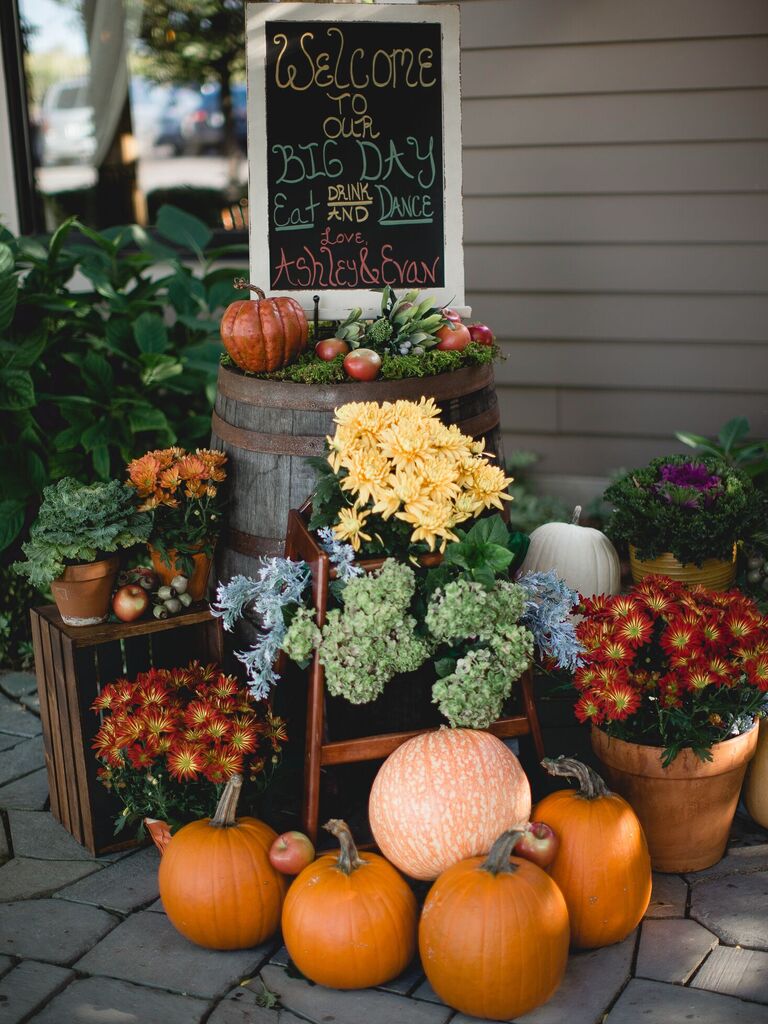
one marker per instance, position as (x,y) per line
(85,941)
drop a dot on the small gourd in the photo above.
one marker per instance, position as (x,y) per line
(580,555)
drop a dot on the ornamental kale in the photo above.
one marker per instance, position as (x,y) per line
(695,508)
(78,524)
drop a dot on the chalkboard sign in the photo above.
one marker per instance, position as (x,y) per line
(355,153)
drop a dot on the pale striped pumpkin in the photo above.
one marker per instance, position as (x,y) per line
(444,796)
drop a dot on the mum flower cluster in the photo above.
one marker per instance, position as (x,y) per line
(168,476)
(672,666)
(170,729)
(398,461)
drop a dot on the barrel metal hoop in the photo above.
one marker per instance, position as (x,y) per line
(483,423)
(269,444)
(252,546)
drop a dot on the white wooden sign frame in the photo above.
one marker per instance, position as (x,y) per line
(336,304)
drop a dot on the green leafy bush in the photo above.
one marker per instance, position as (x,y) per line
(734,446)
(78,523)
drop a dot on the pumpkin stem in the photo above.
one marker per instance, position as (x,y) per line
(349,859)
(590,783)
(240,283)
(497,862)
(576,516)
(226,809)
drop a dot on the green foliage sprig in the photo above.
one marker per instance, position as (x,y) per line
(643,517)
(77,524)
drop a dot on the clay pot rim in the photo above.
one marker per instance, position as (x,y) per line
(89,570)
(726,756)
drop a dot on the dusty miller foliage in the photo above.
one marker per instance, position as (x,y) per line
(548,606)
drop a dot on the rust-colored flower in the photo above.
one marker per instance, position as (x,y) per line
(143,474)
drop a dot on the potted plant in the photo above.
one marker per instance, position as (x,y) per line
(181,490)
(682,517)
(171,738)
(71,544)
(672,681)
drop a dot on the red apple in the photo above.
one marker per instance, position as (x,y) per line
(539,844)
(482,334)
(362,364)
(453,336)
(291,852)
(451,314)
(330,348)
(130,602)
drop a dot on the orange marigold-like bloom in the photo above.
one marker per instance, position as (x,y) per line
(185,761)
(170,478)
(191,467)
(143,473)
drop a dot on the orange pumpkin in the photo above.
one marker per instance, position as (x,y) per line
(263,334)
(602,866)
(349,919)
(443,796)
(217,885)
(493,935)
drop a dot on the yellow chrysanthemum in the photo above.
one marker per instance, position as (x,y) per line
(366,472)
(489,484)
(432,521)
(350,526)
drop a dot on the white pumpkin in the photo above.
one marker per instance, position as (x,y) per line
(583,557)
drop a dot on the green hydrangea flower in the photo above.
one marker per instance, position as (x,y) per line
(302,636)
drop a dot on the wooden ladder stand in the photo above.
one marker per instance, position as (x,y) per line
(300,545)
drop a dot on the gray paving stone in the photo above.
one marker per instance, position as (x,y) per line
(29,986)
(735,972)
(280,957)
(157,907)
(124,886)
(31,702)
(734,908)
(408,980)
(672,950)
(669,896)
(28,793)
(148,950)
(16,684)
(7,740)
(6,963)
(38,834)
(653,1002)
(427,993)
(24,878)
(739,860)
(369,1005)
(51,930)
(241,1008)
(20,760)
(17,720)
(107,1001)
(592,981)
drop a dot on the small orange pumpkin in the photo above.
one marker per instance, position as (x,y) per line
(602,866)
(216,883)
(493,935)
(263,334)
(349,919)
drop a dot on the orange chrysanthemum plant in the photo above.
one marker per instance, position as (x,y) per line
(672,666)
(171,739)
(183,491)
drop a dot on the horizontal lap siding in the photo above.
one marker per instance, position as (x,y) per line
(616,219)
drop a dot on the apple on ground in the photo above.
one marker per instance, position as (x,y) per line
(291,853)
(130,602)
(481,333)
(329,348)
(453,337)
(362,364)
(539,844)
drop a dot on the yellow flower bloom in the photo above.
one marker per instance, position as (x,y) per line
(365,473)
(431,520)
(489,484)
(350,526)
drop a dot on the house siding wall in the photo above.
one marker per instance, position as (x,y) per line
(616,220)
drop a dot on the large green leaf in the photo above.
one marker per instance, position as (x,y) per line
(16,390)
(58,238)
(182,228)
(98,376)
(26,353)
(11,522)
(146,417)
(158,368)
(8,294)
(7,262)
(97,435)
(733,431)
(100,456)
(150,333)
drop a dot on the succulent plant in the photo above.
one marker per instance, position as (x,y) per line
(352,329)
(406,326)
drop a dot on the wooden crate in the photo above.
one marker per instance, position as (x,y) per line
(72,663)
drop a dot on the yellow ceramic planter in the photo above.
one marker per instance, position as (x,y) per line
(714,573)
(756,786)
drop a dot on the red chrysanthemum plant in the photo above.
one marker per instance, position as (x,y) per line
(170,739)
(672,666)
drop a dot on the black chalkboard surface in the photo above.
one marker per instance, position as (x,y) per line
(355,179)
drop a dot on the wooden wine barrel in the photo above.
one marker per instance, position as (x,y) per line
(268,429)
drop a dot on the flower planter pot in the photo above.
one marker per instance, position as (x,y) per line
(198,581)
(756,785)
(686,810)
(82,593)
(714,573)
(159,832)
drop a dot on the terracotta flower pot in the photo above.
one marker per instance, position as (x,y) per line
(82,593)
(756,785)
(686,810)
(198,582)
(714,573)
(159,832)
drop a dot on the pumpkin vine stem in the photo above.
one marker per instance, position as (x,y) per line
(226,809)
(576,516)
(349,859)
(590,783)
(497,862)
(240,283)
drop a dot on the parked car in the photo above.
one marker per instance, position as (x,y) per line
(67,123)
(202,127)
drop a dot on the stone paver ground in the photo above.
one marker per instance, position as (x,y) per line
(85,940)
